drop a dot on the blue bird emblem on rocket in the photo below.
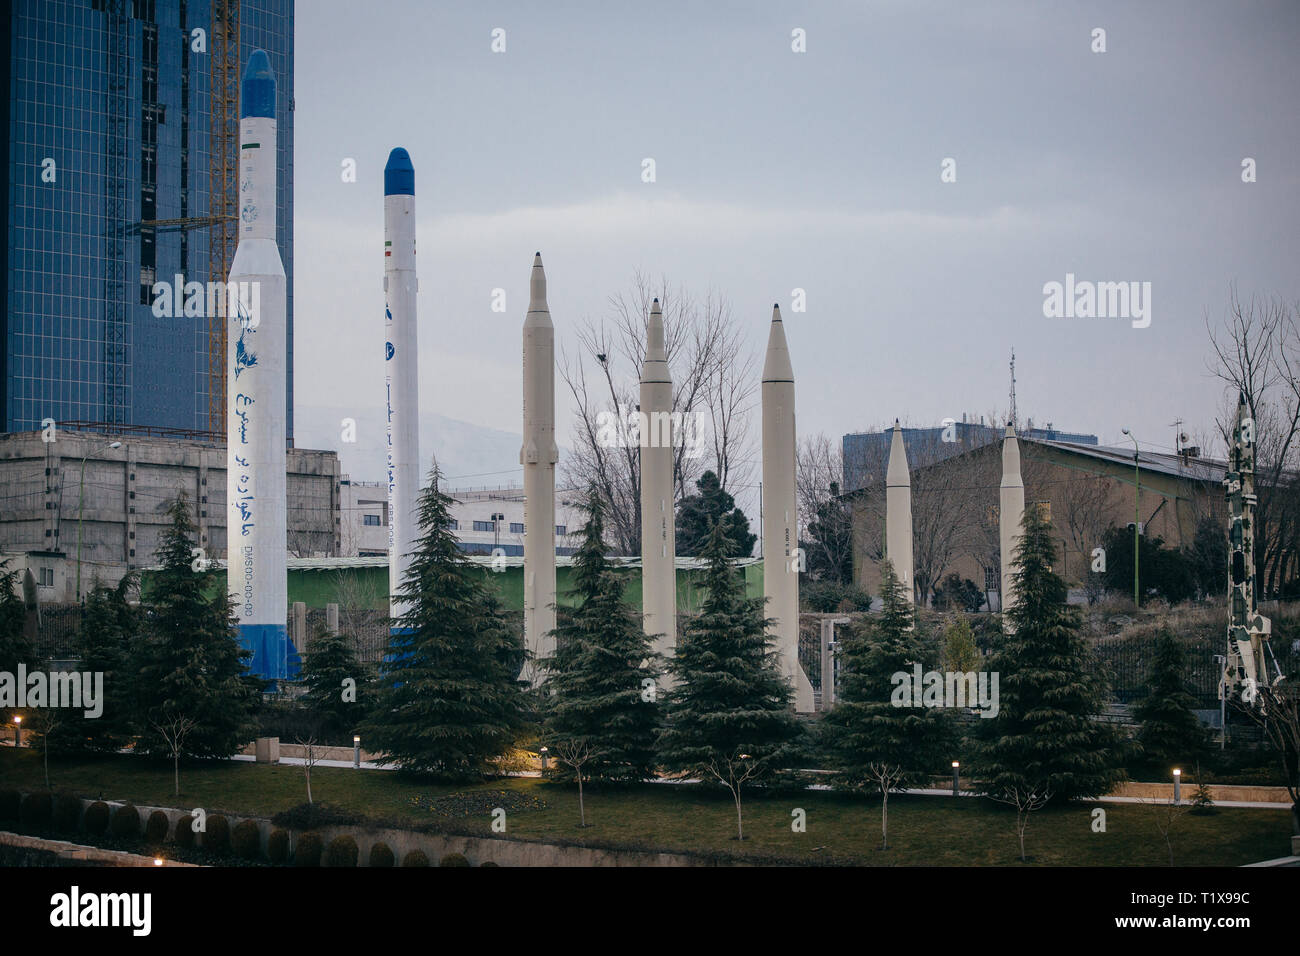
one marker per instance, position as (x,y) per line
(389,351)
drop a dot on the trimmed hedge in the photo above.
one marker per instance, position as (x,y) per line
(37,809)
(453,859)
(156,827)
(342,851)
(9,802)
(247,840)
(277,846)
(126,822)
(415,858)
(96,819)
(217,836)
(67,813)
(381,854)
(308,850)
(184,835)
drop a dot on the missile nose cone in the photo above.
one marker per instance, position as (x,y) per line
(655,367)
(1010,432)
(399,174)
(776,367)
(896,471)
(537,286)
(258,90)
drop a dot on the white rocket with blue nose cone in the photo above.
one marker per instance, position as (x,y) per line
(256,361)
(538,456)
(400,286)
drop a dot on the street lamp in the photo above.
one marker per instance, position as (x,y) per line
(356,752)
(544,751)
(18,732)
(1137,516)
(1178,790)
(81,501)
(956,776)
(1222,663)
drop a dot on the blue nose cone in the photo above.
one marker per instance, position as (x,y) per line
(399,174)
(258,94)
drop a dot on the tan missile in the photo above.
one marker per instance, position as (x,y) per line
(658,527)
(781,563)
(898,511)
(1011,512)
(538,456)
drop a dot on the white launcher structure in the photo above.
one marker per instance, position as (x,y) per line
(1011,511)
(401,371)
(658,524)
(255,390)
(781,566)
(898,512)
(538,456)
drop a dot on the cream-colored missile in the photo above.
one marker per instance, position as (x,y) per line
(781,560)
(538,456)
(658,527)
(1011,512)
(898,511)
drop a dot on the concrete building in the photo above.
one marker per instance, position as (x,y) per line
(364,519)
(1085,488)
(865,453)
(114,499)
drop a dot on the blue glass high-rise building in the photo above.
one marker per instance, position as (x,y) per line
(107,134)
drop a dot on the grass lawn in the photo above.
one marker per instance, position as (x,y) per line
(923,830)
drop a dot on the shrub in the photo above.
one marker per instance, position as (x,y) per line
(217,836)
(313,816)
(156,827)
(247,840)
(96,819)
(342,851)
(381,854)
(184,835)
(453,859)
(9,801)
(486,863)
(277,846)
(126,822)
(67,812)
(415,858)
(308,851)
(37,809)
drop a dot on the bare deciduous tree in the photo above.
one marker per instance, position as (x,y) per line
(574,753)
(1256,353)
(174,728)
(713,394)
(1027,799)
(888,777)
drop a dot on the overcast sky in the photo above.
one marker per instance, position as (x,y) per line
(820,170)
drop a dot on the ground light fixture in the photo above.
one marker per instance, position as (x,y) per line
(544,751)
(1178,789)
(956,776)
(18,732)
(157,861)
(356,752)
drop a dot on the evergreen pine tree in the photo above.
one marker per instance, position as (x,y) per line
(729,714)
(1044,736)
(109,627)
(596,690)
(1170,733)
(188,663)
(698,513)
(874,742)
(449,700)
(335,707)
(15,648)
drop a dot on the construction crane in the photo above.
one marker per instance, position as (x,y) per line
(223,190)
